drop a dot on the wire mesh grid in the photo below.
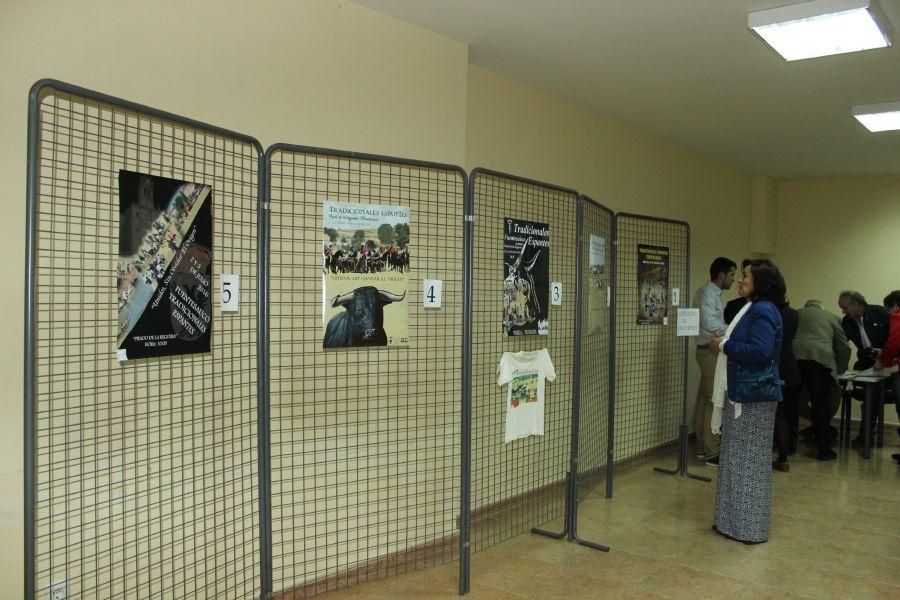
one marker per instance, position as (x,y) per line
(518,485)
(595,246)
(145,471)
(365,442)
(650,362)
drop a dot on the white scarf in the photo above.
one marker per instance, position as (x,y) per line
(720,382)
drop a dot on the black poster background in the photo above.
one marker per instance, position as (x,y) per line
(526,272)
(653,284)
(177,317)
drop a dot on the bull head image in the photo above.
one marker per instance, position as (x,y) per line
(362,322)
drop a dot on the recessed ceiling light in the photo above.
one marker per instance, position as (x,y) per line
(878,117)
(822,28)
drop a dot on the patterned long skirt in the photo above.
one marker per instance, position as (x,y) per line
(744,492)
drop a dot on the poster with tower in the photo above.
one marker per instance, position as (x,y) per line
(164,271)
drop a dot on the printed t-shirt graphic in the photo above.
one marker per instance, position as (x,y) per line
(525,373)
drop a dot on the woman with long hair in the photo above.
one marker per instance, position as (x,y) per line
(746,393)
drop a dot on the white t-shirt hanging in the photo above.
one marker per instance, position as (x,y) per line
(525,373)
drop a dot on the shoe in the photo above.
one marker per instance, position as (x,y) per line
(896,457)
(712,462)
(781,465)
(701,456)
(827,455)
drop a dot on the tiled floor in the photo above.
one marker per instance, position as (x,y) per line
(835,534)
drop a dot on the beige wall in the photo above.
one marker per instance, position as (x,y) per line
(521,130)
(837,234)
(324,73)
(329,74)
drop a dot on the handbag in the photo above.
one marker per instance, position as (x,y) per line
(757,384)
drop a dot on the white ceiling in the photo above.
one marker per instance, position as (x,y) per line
(688,71)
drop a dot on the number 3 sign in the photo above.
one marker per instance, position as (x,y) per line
(556,293)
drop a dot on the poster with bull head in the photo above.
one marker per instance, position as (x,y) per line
(164,269)
(526,283)
(365,275)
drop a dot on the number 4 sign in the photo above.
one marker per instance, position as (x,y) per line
(230,293)
(431,293)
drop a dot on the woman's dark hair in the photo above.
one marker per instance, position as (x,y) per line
(768,284)
(892,299)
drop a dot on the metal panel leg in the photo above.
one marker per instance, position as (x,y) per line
(871,390)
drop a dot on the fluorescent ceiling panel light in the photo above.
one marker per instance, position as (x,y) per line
(822,28)
(878,117)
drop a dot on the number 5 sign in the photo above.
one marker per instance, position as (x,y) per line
(230,293)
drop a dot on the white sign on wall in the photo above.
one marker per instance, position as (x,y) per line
(432,290)
(230,292)
(688,322)
(556,293)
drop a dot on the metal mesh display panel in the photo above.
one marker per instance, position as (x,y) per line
(365,442)
(519,485)
(141,476)
(596,247)
(650,358)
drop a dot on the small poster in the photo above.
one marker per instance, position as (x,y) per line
(164,271)
(597,282)
(526,284)
(365,275)
(653,285)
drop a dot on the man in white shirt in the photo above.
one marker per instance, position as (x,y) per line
(712,324)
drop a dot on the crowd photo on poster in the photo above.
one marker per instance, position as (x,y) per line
(653,284)
(365,275)
(164,271)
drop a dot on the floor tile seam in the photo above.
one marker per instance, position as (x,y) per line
(496,587)
(480,582)
(842,571)
(867,531)
(741,578)
(856,553)
(814,519)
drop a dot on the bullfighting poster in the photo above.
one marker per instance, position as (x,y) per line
(164,272)
(365,281)
(597,282)
(653,284)
(526,284)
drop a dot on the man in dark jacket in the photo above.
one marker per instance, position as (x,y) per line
(787,415)
(866,325)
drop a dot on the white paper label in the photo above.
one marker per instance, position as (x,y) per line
(676,296)
(230,292)
(665,320)
(432,290)
(122,354)
(688,322)
(556,293)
